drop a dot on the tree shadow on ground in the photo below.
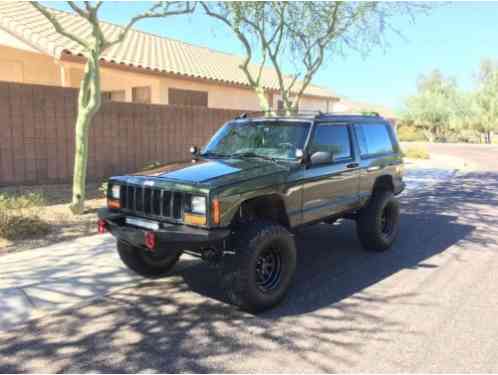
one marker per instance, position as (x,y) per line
(182,323)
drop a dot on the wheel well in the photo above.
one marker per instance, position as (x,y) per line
(383,183)
(268,207)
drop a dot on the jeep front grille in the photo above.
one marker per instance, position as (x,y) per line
(154,202)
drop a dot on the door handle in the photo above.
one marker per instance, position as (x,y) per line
(374,168)
(352,165)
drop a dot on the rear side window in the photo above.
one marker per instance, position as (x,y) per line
(374,139)
(334,139)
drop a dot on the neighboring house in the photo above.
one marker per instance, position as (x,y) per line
(349,106)
(144,68)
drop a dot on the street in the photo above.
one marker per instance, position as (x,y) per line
(428,305)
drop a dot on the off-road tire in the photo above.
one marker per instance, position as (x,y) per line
(242,272)
(378,222)
(144,262)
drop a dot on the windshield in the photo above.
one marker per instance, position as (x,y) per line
(274,139)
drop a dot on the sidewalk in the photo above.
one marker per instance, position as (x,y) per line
(37,282)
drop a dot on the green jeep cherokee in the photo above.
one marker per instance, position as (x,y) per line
(245,193)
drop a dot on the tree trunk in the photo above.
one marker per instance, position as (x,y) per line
(429,135)
(263,100)
(89,101)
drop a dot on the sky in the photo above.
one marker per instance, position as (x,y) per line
(452,37)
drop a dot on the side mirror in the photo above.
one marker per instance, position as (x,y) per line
(321,157)
(299,153)
(194,150)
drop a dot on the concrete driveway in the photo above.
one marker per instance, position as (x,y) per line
(428,305)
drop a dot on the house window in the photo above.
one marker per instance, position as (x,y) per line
(140,95)
(187,97)
(114,96)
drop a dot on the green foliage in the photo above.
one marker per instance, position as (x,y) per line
(433,107)
(103,188)
(410,134)
(18,216)
(306,33)
(444,113)
(20,202)
(416,152)
(153,165)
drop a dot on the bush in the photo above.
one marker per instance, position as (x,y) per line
(416,152)
(20,202)
(103,188)
(21,226)
(152,165)
(18,217)
(410,134)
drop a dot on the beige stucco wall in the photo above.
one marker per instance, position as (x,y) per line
(25,65)
(227,97)
(21,66)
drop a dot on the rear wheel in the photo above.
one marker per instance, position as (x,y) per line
(258,276)
(378,222)
(146,263)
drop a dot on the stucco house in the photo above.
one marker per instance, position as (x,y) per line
(346,105)
(145,68)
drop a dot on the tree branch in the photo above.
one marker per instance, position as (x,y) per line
(57,26)
(150,14)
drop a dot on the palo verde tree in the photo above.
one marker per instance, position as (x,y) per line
(486,99)
(94,45)
(300,36)
(434,107)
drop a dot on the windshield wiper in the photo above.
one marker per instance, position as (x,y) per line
(251,154)
(214,155)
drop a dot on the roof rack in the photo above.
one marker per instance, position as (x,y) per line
(304,113)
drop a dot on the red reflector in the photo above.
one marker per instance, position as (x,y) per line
(102,226)
(150,240)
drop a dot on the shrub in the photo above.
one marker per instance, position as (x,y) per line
(416,152)
(18,217)
(20,202)
(103,188)
(14,226)
(410,134)
(153,165)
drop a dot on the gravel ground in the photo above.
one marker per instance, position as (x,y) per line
(64,225)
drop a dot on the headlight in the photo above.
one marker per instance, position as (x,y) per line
(115,191)
(199,205)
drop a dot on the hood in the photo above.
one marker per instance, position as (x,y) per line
(216,172)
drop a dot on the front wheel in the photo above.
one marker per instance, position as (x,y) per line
(146,263)
(378,222)
(258,276)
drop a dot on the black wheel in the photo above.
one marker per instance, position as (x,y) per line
(258,276)
(378,222)
(146,263)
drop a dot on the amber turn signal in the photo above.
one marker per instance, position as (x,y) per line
(194,219)
(113,203)
(215,212)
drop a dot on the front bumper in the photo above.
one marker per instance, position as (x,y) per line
(171,237)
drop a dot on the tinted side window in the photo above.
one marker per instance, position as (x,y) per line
(332,138)
(374,139)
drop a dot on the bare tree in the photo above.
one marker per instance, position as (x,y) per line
(305,33)
(89,98)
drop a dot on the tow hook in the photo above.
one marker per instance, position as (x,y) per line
(150,240)
(211,255)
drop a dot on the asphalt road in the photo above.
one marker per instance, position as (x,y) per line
(428,305)
(484,157)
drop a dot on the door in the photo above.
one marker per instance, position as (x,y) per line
(331,186)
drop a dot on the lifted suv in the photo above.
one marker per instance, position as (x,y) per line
(249,188)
